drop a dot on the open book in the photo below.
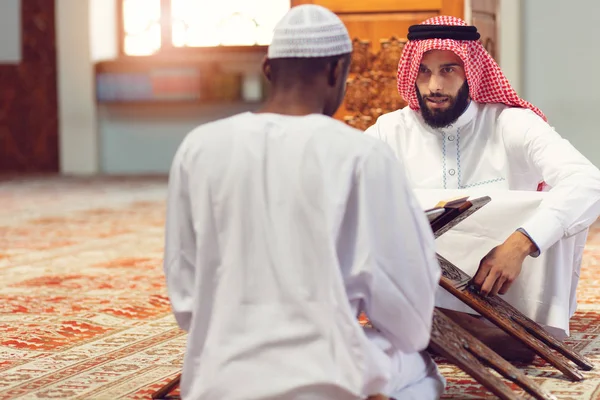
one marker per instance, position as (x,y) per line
(439,209)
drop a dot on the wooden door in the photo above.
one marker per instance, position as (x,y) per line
(28,96)
(442,7)
(374,20)
(484,14)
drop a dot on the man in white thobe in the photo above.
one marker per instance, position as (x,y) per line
(466,128)
(283,226)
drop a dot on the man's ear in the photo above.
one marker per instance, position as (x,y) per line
(266,67)
(336,70)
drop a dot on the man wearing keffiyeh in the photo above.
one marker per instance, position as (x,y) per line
(466,127)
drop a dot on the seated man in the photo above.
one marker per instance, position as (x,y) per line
(283,226)
(465,127)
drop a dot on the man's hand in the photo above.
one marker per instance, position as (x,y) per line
(502,265)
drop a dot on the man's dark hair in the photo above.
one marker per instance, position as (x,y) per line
(288,72)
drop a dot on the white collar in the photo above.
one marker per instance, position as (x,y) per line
(466,117)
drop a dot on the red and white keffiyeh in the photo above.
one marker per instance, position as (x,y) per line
(487,83)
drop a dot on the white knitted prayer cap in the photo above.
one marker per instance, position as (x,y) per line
(309,30)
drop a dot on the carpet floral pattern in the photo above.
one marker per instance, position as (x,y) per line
(83,307)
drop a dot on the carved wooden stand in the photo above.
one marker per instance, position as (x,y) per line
(494,308)
(450,340)
(461,348)
(472,356)
(163,392)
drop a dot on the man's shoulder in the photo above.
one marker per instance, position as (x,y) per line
(517,116)
(217,125)
(326,130)
(516,123)
(508,119)
(399,116)
(348,142)
(331,129)
(208,132)
(388,123)
(222,128)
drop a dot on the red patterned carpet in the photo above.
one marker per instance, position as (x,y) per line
(83,311)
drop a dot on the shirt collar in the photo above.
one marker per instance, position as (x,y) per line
(466,117)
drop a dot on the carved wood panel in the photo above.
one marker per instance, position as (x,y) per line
(28,96)
(371,89)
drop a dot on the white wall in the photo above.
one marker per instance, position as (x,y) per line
(10,31)
(561,64)
(103,29)
(78,138)
(510,46)
(143,140)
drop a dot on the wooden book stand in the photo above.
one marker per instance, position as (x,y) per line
(494,308)
(163,392)
(461,348)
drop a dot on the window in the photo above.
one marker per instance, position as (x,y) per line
(154,26)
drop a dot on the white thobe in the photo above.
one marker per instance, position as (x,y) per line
(280,230)
(493,148)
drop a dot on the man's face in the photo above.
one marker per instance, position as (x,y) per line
(442,88)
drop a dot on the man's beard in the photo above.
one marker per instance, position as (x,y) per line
(442,118)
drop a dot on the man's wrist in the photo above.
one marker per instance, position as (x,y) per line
(530,248)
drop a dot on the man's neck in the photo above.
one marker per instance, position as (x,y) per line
(466,107)
(294,102)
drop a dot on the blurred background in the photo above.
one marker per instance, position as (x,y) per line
(112,86)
